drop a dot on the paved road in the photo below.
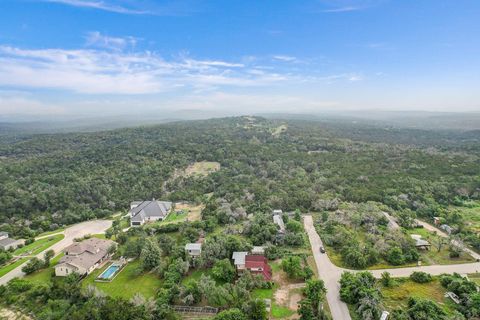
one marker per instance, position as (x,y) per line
(331,274)
(72,232)
(328,272)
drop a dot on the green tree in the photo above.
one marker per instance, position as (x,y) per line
(231,314)
(255,309)
(150,255)
(223,270)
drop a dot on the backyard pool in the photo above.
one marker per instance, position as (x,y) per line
(109,272)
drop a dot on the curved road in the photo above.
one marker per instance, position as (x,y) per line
(331,274)
(76,231)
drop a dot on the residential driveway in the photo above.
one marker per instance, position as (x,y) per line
(328,272)
(331,274)
(76,231)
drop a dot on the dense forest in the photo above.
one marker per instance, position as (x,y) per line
(50,180)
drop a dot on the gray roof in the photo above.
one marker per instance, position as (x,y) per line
(193,246)
(7,242)
(86,253)
(150,209)
(279,221)
(239,257)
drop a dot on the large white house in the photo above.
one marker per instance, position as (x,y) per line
(146,211)
(83,257)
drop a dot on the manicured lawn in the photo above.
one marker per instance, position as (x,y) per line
(6,269)
(398,295)
(279,312)
(51,232)
(39,245)
(127,283)
(44,275)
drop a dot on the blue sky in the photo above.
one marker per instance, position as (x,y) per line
(78,57)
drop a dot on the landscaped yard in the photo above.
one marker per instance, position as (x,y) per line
(397,296)
(127,283)
(32,249)
(39,245)
(45,275)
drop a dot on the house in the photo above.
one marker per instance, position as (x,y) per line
(419,242)
(83,257)
(446,228)
(277,212)
(193,249)
(258,265)
(436,221)
(239,260)
(452,296)
(7,243)
(146,211)
(277,219)
(384,315)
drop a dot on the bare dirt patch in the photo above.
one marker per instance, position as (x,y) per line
(193,211)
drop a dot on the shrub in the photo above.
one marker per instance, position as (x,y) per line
(420,277)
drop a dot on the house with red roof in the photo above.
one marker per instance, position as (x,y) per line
(258,264)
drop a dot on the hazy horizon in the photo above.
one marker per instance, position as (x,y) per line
(123,57)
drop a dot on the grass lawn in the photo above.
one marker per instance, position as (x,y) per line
(397,296)
(471,214)
(39,245)
(127,283)
(44,275)
(6,269)
(475,277)
(43,234)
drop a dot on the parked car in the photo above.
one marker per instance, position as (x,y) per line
(322,249)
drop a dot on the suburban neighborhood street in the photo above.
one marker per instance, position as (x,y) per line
(76,231)
(331,274)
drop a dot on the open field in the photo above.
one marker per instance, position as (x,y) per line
(202,168)
(127,283)
(398,295)
(471,214)
(278,130)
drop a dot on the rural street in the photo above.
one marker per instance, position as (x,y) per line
(328,272)
(76,231)
(331,274)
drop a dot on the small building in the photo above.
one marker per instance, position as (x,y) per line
(446,228)
(436,220)
(384,315)
(258,250)
(277,219)
(452,296)
(258,265)
(83,257)
(193,249)
(147,211)
(420,243)
(238,258)
(7,243)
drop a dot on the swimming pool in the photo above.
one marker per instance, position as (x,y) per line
(109,272)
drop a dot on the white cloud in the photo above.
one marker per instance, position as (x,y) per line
(96,39)
(285,58)
(343,9)
(117,72)
(100,5)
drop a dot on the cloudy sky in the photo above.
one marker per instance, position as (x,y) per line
(107,57)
